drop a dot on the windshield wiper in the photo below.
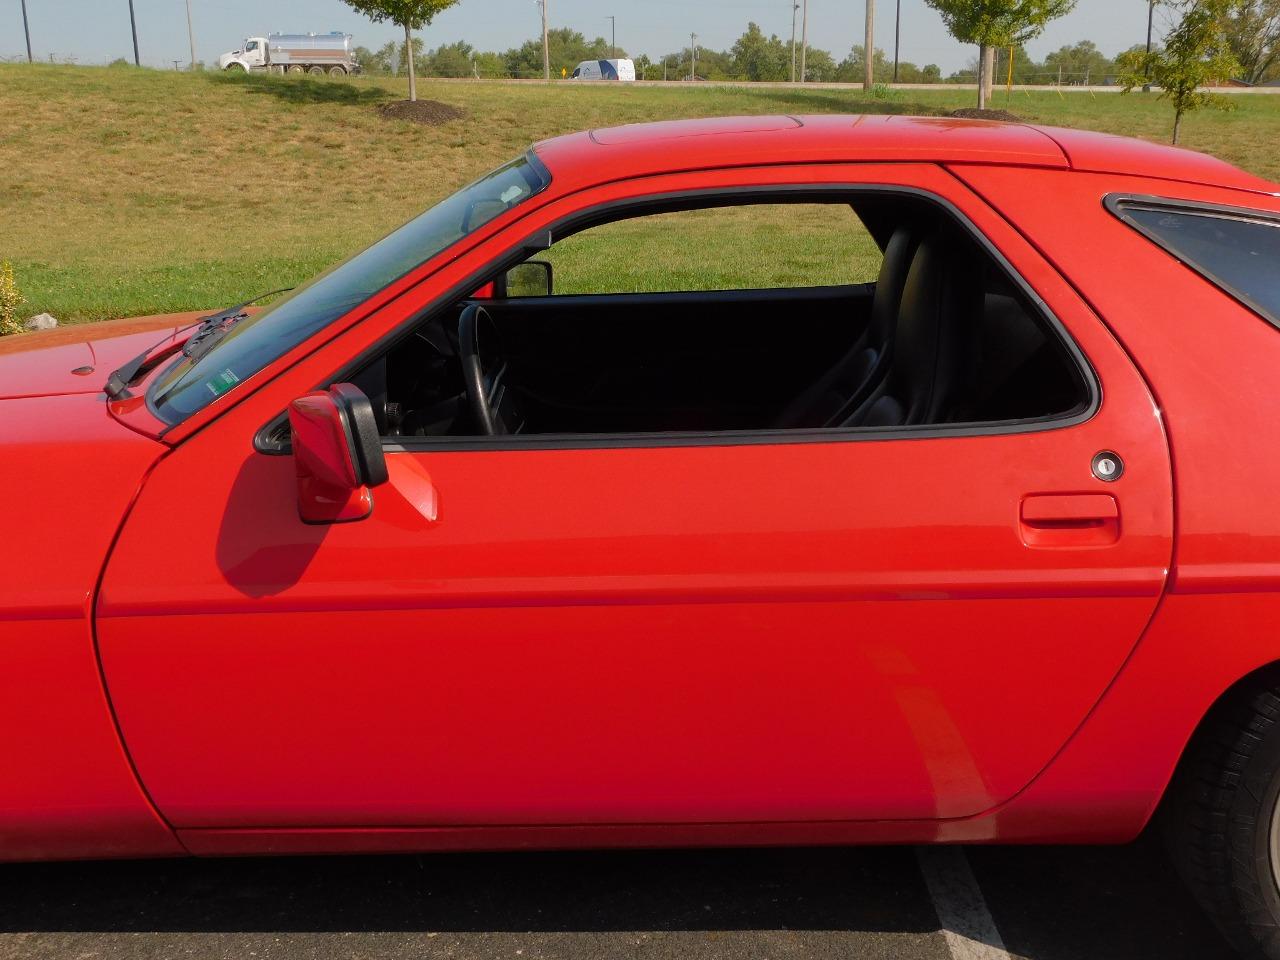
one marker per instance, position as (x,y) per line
(210,330)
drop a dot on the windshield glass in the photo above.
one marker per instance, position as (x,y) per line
(259,339)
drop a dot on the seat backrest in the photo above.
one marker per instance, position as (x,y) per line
(932,359)
(852,378)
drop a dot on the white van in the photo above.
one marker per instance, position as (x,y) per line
(604,70)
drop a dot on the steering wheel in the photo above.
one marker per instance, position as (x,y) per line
(487,394)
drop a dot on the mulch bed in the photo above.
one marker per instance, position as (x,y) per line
(973,113)
(431,112)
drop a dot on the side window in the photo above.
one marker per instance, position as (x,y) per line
(1234,249)
(756,247)
(880,311)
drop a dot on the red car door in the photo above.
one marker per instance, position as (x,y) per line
(859,629)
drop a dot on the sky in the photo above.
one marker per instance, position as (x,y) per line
(97,31)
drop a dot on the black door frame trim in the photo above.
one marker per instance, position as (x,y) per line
(270,441)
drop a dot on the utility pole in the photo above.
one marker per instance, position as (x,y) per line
(133,23)
(613,24)
(27,30)
(1151,16)
(804,39)
(794,8)
(546,51)
(693,56)
(897,40)
(869,51)
(191,36)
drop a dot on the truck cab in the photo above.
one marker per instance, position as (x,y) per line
(254,55)
(605,70)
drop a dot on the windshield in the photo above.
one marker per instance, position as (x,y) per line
(257,340)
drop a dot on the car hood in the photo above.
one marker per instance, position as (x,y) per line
(78,359)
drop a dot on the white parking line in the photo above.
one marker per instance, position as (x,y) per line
(966,922)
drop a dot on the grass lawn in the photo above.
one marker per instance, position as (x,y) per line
(139,191)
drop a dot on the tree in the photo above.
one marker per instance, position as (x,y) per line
(451,60)
(853,68)
(410,14)
(1253,31)
(1083,60)
(565,49)
(819,67)
(1196,53)
(997,23)
(756,57)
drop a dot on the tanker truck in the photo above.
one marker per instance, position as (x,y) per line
(330,53)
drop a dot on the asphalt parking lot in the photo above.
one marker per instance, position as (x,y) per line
(1041,903)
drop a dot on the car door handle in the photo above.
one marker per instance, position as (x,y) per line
(1069,520)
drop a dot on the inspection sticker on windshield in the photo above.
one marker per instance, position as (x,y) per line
(221,382)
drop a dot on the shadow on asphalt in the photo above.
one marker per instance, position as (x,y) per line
(1049,903)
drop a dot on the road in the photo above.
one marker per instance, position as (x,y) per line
(871,904)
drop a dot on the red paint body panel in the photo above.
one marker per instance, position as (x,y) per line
(1092,152)
(41,364)
(961,639)
(67,789)
(581,638)
(1212,366)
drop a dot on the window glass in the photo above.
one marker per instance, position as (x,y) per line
(744,318)
(1238,253)
(749,247)
(259,339)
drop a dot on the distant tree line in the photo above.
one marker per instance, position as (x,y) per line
(1251,26)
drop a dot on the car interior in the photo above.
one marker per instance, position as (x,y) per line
(944,335)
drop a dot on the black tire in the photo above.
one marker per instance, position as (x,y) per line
(1220,817)
(337,71)
(315,70)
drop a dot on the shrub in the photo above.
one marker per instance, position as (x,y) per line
(10,300)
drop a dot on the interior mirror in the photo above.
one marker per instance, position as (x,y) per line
(338,454)
(533,278)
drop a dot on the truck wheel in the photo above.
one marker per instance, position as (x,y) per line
(337,71)
(295,68)
(277,68)
(315,70)
(1222,820)
(238,67)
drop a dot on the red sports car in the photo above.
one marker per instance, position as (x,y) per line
(437,552)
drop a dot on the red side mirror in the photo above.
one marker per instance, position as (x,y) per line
(338,454)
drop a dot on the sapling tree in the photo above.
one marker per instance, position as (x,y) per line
(410,14)
(993,24)
(1196,53)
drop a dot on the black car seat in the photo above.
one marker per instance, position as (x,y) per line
(932,358)
(839,391)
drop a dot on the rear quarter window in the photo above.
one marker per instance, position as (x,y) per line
(1235,249)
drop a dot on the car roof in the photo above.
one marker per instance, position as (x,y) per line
(642,149)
